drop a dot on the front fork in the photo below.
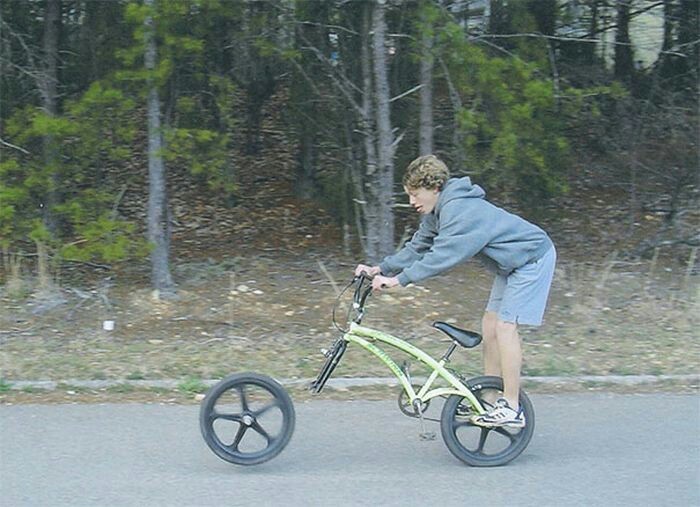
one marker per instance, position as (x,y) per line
(332,359)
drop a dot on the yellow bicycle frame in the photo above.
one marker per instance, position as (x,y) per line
(365,337)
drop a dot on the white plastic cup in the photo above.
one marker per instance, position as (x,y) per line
(108,325)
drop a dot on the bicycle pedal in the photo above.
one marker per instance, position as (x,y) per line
(427,436)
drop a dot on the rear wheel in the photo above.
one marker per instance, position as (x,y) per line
(247,418)
(478,446)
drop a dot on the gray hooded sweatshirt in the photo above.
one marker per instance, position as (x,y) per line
(463,225)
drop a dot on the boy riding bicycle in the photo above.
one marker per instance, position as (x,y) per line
(458,224)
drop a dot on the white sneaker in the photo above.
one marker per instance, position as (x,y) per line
(502,414)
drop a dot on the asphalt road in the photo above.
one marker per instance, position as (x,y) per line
(588,449)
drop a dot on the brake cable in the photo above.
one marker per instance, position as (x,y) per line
(337,303)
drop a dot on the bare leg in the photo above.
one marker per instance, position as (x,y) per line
(491,355)
(511,356)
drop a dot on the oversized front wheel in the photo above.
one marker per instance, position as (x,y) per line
(247,418)
(478,446)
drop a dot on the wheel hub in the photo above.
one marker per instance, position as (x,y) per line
(248,420)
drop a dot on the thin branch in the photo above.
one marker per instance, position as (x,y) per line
(454,94)
(31,73)
(632,15)
(400,36)
(496,47)
(332,73)
(332,27)
(306,77)
(10,145)
(537,35)
(323,269)
(559,38)
(343,89)
(408,92)
(117,201)
(396,142)
(20,38)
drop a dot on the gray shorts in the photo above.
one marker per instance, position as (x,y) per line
(521,297)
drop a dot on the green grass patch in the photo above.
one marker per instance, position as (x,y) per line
(192,385)
(5,386)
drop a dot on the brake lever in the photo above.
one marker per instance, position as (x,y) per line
(361,296)
(364,275)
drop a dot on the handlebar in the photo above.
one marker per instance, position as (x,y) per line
(363,289)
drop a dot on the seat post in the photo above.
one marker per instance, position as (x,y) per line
(450,350)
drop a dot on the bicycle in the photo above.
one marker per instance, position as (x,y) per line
(248,398)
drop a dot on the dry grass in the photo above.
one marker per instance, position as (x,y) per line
(272,314)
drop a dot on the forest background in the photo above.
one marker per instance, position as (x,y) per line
(185,184)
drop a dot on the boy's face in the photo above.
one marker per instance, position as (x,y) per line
(423,200)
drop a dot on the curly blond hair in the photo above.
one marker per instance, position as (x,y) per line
(426,171)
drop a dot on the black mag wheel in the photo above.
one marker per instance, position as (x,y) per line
(478,446)
(247,418)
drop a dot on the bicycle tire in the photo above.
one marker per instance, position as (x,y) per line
(459,434)
(252,443)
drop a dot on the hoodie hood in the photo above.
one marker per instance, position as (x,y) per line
(459,188)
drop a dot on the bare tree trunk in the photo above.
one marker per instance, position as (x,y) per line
(382,184)
(257,74)
(158,230)
(589,54)
(46,285)
(624,56)
(666,63)
(459,156)
(305,185)
(354,161)
(425,143)
(371,208)
(688,39)
(48,85)
(48,88)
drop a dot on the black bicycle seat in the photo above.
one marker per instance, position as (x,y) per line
(467,339)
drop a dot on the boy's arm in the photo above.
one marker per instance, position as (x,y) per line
(413,250)
(462,235)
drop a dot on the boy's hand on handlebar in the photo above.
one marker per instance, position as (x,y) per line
(380,282)
(367,270)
